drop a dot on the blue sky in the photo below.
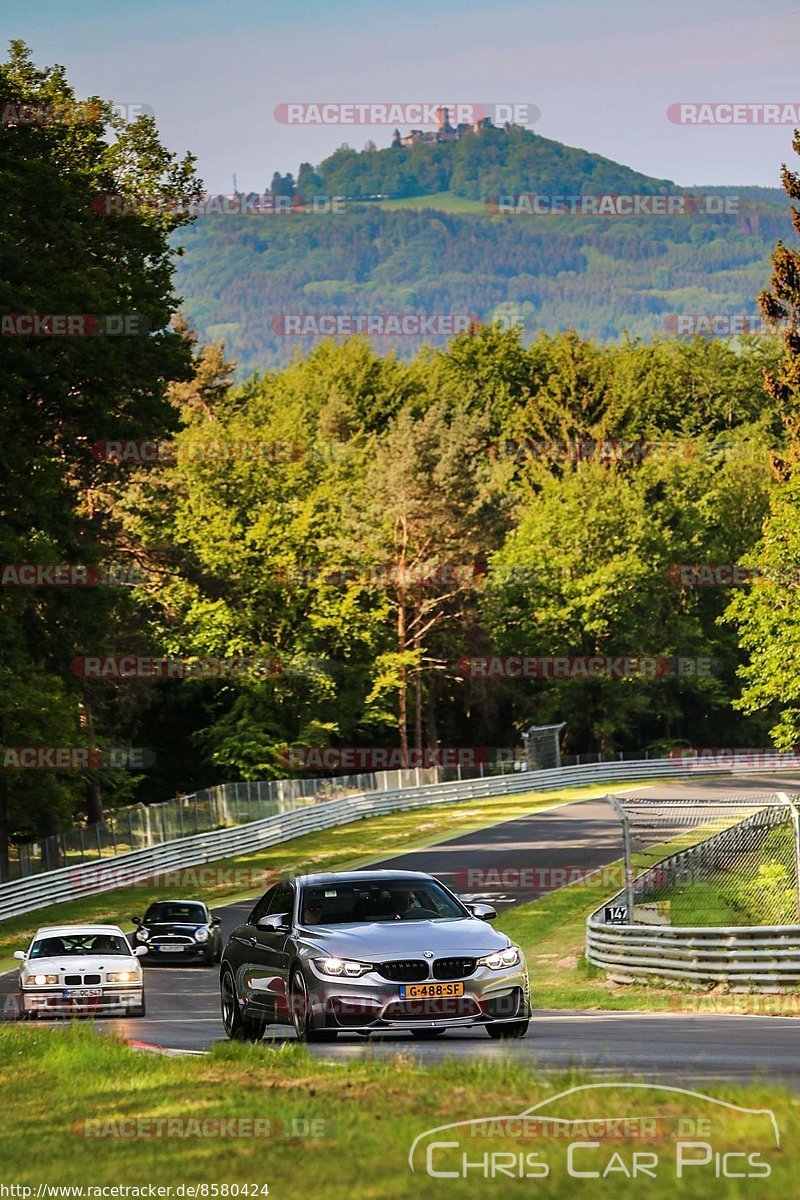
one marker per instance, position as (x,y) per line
(602,74)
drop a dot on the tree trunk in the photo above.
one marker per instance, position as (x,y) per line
(95,814)
(402,697)
(418,701)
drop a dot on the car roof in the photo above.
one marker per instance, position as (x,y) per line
(362,876)
(59,930)
(177,900)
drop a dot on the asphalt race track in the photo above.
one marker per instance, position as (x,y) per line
(531,851)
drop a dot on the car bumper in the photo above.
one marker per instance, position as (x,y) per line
(488,997)
(192,952)
(52,1001)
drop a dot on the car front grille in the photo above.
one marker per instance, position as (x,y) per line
(77,980)
(454,968)
(73,979)
(410,970)
(171,939)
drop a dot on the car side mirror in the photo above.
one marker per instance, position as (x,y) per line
(273,922)
(139,951)
(20,954)
(136,920)
(484,912)
(216,921)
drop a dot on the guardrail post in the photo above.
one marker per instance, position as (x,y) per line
(626,844)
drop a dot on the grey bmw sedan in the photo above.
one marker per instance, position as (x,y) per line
(368,951)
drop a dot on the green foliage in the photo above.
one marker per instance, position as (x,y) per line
(60,256)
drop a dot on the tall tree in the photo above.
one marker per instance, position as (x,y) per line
(63,252)
(768,616)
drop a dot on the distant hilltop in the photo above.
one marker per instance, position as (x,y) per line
(445,132)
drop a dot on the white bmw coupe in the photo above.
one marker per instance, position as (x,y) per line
(73,970)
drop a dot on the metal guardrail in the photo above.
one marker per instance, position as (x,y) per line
(87,879)
(747,956)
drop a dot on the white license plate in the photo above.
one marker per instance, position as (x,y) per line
(76,993)
(170,949)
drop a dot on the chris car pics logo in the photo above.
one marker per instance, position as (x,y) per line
(607,1132)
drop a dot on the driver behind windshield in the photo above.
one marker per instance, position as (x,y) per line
(402,902)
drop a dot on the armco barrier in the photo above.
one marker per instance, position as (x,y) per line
(765,956)
(102,875)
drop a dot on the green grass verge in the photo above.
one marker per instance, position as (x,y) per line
(439,201)
(54,1081)
(343,847)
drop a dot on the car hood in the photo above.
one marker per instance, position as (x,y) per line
(381,940)
(78,964)
(174,926)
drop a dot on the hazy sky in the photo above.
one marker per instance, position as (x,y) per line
(602,74)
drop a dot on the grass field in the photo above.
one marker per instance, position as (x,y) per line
(439,201)
(335,1132)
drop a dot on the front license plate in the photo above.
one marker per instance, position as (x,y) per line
(170,949)
(430,991)
(75,993)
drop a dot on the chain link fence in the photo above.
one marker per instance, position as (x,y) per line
(722,863)
(139,826)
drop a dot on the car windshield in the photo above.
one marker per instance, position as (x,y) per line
(389,899)
(79,944)
(173,910)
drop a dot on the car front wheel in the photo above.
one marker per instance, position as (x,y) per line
(303,1015)
(238,1027)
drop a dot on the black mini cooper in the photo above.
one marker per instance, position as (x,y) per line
(181,931)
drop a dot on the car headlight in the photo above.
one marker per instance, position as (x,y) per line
(501,959)
(202,934)
(42,980)
(121,976)
(142,935)
(342,966)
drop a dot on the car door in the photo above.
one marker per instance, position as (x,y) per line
(241,949)
(270,975)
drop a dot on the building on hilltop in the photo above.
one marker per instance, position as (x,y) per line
(445,132)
